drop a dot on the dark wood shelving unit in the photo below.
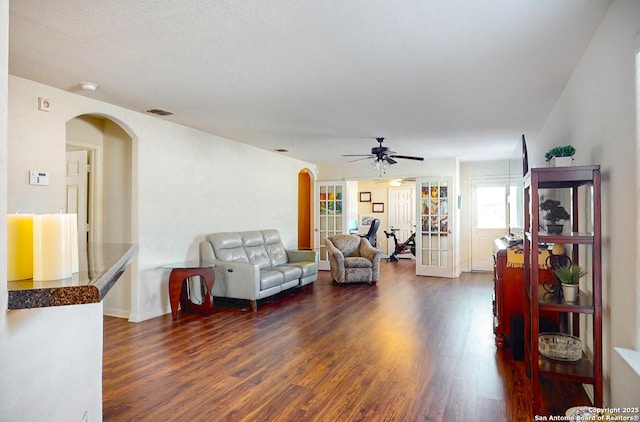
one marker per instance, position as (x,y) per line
(554,303)
(580,180)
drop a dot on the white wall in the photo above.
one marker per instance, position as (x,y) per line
(597,114)
(232,186)
(186,184)
(51,363)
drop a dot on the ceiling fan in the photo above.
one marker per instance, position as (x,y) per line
(382,155)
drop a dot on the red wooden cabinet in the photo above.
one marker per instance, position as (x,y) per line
(508,295)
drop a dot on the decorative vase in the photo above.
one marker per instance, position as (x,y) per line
(570,292)
(558,249)
(560,162)
(555,228)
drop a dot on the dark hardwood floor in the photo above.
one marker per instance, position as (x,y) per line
(407,349)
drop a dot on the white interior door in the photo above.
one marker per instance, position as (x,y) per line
(330,218)
(435,246)
(76,185)
(488,220)
(401,214)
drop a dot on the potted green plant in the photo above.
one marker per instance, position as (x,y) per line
(560,156)
(569,276)
(554,213)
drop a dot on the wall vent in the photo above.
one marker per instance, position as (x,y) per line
(159,112)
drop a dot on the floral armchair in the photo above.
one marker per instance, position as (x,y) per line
(353,259)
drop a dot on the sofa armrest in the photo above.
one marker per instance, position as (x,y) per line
(374,255)
(206,252)
(297,255)
(368,251)
(239,280)
(334,253)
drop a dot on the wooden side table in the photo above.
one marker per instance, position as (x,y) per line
(179,291)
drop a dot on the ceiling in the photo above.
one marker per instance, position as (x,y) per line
(437,78)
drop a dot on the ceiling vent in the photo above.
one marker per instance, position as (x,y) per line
(159,112)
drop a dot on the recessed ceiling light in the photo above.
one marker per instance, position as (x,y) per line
(281,150)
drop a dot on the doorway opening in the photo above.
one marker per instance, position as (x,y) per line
(489,219)
(100,190)
(393,204)
(305,209)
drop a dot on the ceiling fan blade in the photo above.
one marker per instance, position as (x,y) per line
(390,160)
(360,159)
(358,155)
(408,157)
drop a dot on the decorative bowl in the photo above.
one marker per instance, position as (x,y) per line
(560,346)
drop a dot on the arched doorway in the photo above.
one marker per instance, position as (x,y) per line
(105,207)
(305,209)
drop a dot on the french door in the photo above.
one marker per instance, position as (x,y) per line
(330,218)
(434,240)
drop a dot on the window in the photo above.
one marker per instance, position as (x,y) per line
(491,207)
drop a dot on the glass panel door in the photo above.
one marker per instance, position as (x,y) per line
(330,217)
(488,219)
(435,243)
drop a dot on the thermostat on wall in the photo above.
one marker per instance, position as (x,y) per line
(39,178)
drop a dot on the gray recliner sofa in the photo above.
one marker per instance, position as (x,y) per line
(255,264)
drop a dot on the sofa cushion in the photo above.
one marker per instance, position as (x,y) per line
(290,272)
(349,245)
(357,262)
(274,246)
(308,267)
(228,246)
(253,245)
(270,278)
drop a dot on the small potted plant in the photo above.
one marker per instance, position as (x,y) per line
(555,213)
(569,276)
(560,156)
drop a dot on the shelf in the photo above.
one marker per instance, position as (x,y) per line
(568,238)
(551,302)
(580,371)
(539,301)
(562,177)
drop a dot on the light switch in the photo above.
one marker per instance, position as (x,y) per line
(40,178)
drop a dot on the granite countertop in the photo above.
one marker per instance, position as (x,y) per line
(100,267)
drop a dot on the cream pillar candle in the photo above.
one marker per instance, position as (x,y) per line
(73,242)
(19,247)
(51,247)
